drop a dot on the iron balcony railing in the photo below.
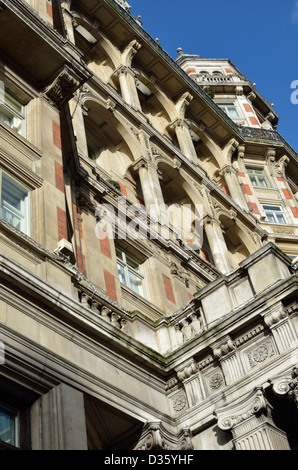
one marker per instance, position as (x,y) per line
(265,135)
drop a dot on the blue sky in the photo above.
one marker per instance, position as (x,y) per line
(260,37)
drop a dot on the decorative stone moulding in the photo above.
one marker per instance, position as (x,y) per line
(156,437)
(287,386)
(250,422)
(62,87)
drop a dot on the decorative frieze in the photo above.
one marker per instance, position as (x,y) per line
(260,353)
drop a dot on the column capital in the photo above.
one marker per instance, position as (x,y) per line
(227,169)
(156,437)
(238,412)
(123,70)
(63,87)
(179,123)
(287,386)
(142,162)
(223,348)
(250,421)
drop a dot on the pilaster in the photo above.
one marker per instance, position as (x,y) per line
(282,329)
(58,420)
(225,352)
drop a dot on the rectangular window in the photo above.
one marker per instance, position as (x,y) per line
(12,112)
(15,203)
(230,110)
(130,272)
(8,426)
(274,214)
(257,177)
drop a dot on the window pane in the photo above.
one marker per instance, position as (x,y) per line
(7,428)
(135,283)
(121,273)
(262,181)
(270,217)
(11,111)
(272,208)
(257,177)
(232,112)
(254,180)
(14,203)
(280,218)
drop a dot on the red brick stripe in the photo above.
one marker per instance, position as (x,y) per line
(246,189)
(59,176)
(253,207)
(110,285)
(105,247)
(57,135)
(287,193)
(62,224)
(49,9)
(169,289)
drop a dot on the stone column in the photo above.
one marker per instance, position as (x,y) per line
(230,175)
(250,422)
(185,142)
(58,420)
(151,189)
(128,86)
(217,245)
(68,19)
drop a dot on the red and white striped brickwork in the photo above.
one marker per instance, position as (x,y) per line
(288,199)
(251,199)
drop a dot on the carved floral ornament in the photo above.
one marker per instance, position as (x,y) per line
(287,386)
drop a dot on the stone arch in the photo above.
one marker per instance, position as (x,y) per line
(158,108)
(183,201)
(113,142)
(105,57)
(210,155)
(239,244)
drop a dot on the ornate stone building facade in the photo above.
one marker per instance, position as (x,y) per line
(124,325)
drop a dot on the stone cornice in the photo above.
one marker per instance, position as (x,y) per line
(67,51)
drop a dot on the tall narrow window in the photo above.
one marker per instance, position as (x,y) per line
(274,214)
(257,177)
(130,272)
(15,205)
(8,426)
(12,111)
